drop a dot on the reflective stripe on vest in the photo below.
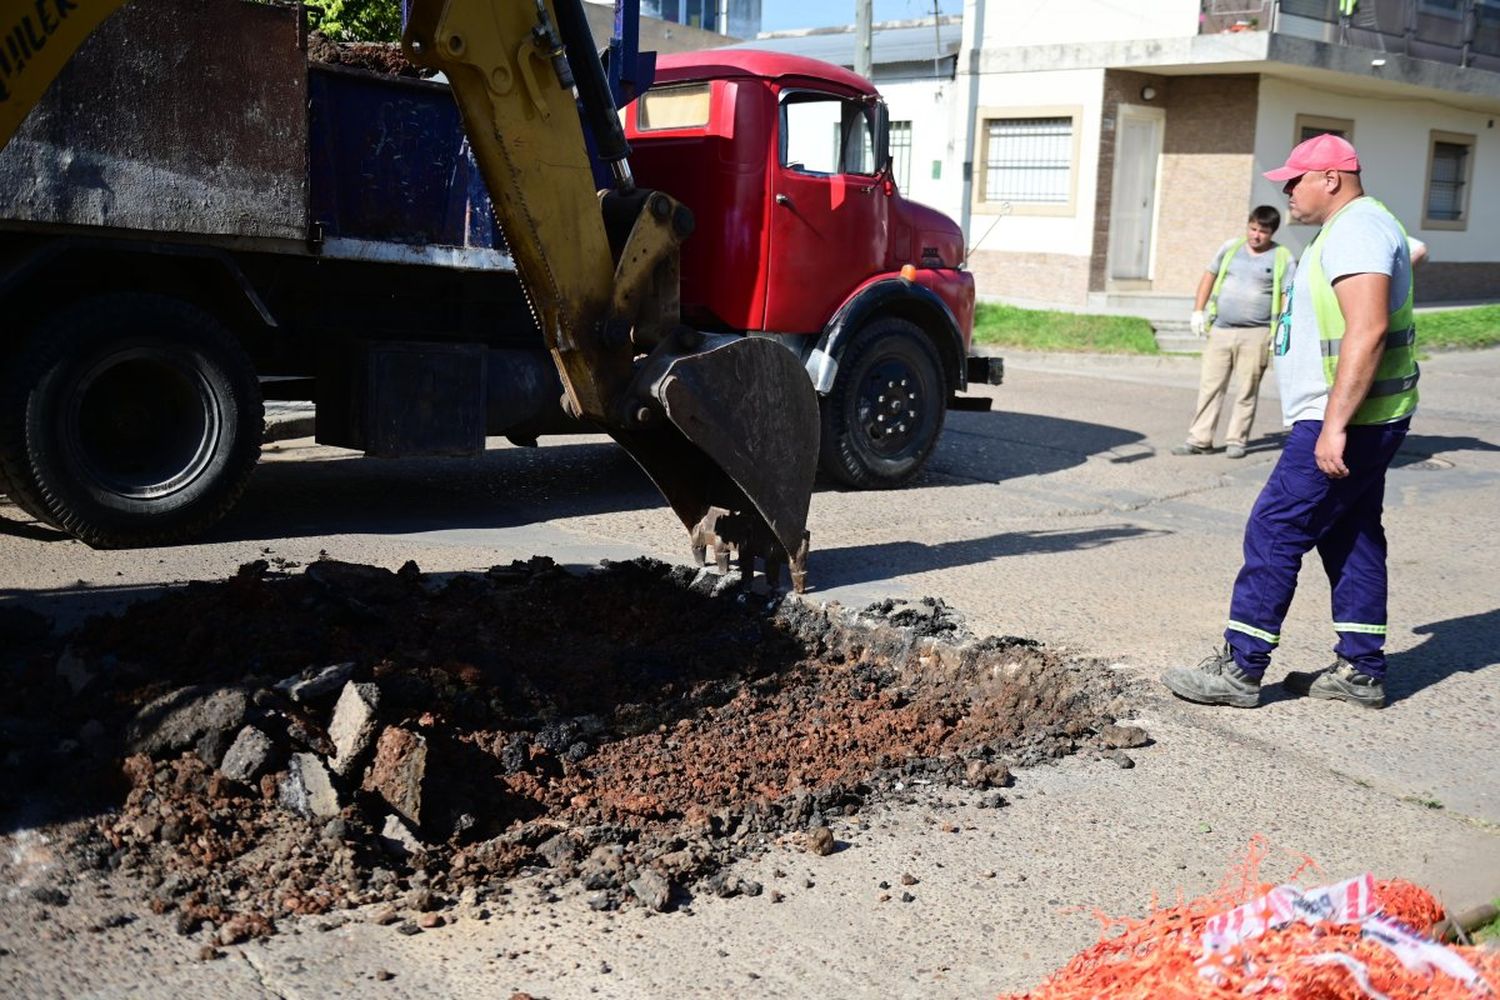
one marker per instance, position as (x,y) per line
(1278,275)
(1393,393)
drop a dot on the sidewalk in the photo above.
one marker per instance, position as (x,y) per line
(289,420)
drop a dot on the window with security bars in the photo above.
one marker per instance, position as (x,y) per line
(1028,160)
(900,147)
(1447,181)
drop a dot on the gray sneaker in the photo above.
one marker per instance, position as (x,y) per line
(1188,448)
(1234,451)
(1218,680)
(1340,682)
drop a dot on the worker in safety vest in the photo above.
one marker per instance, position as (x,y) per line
(1347,368)
(1239,301)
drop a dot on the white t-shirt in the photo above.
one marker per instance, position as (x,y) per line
(1364,240)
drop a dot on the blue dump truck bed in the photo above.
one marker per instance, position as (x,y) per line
(390,172)
(207,122)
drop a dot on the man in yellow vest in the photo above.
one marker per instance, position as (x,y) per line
(1346,364)
(1239,301)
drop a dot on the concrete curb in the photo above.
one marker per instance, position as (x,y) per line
(289,420)
(1082,359)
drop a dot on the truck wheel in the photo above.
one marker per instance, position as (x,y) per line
(129,419)
(885,411)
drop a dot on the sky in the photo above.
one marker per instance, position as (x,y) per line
(779,15)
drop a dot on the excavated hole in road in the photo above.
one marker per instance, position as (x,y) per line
(272,745)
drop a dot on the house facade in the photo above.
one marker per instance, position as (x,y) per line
(1109,149)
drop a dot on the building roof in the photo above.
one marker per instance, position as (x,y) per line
(890,43)
(734,60)
(656,35)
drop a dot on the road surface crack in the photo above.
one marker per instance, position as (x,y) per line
(260,978)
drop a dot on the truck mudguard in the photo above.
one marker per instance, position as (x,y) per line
(891,295)
(55,251)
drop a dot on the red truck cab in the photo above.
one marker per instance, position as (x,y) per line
(802,235)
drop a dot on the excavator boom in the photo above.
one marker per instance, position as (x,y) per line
(725,425)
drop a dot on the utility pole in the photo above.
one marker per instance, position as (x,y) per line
(863,27)
(937,39)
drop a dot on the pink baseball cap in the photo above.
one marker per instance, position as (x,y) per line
(1321,152)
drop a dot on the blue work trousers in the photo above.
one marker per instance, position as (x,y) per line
(1300,509)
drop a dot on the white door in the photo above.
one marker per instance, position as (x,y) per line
(1133,204)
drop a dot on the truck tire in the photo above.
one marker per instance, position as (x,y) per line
(128,420)
(885,411)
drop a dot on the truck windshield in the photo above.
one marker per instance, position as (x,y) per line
(825,134)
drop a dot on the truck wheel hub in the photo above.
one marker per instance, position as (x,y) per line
(142,424)
(890,406)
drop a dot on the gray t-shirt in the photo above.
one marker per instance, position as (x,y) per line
(1364,240)
(1245,297)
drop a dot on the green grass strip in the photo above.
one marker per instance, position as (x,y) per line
(1459,329)
(1043,330)
(1490,931)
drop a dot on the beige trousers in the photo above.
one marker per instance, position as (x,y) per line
(1246,352)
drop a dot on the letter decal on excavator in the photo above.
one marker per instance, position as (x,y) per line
(37,38)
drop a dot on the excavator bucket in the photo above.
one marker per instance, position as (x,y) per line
(738,460)
(725,425)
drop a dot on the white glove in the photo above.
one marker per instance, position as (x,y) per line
(1196,322)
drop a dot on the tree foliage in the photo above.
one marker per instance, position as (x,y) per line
(357,20)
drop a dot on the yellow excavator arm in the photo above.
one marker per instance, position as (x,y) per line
(725,425)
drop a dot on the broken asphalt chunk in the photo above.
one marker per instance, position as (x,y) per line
(308,788)
(311,684)
(353,727)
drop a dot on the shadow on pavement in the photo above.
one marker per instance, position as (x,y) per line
(865,563)
(1418,448)
(994,447)
(511,487)
(1457,645)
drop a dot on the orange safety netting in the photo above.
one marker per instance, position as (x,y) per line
(1157,957)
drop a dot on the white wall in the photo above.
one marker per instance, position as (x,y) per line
(1047,22)
(1060,234)
(1392,137)
(927,104)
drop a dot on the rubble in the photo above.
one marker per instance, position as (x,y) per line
(625,731)
(312,683)
(397,773)
(249,756)
(307,789)
(186,717)
(353,727)
(654,891)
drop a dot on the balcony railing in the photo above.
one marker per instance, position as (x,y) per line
(1457,32)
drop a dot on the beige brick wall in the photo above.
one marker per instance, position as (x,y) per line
(1041,277)
(1207,166)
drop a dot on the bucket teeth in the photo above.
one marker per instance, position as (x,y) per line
(745,540)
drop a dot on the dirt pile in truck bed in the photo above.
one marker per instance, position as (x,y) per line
(385,58)
(350,735)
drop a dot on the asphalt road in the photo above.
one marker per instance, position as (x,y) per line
(1059,516)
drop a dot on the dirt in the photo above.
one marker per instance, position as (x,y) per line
(385,58)
(631,730)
